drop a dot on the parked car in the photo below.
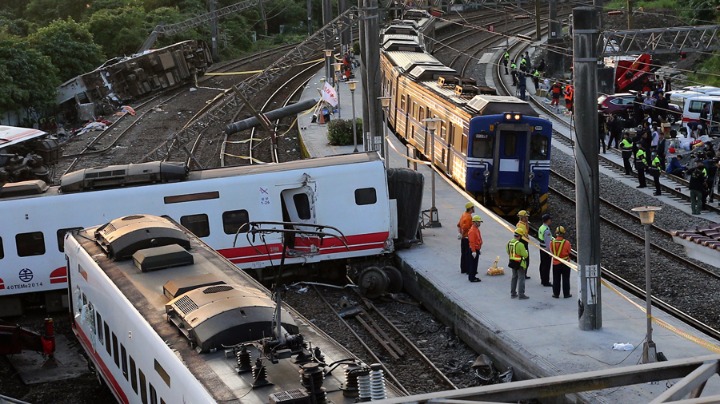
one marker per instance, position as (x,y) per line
(624,103)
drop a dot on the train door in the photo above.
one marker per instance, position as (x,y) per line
(446,137)
(423,143)
(298,206)
(512,142)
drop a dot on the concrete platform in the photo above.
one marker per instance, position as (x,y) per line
(33,368)
(539,337)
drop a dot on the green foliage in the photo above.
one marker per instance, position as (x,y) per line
(707,73)
(340,131)
(43,12)
(12,26)
(27,78)
(69,46)
(121,31)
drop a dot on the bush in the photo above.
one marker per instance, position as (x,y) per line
(340,131)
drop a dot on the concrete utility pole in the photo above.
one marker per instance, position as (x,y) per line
(538,34)
(587,184)
(327,17)
(309,17)
(629,14)
(555,59)
(369,34)
(212,5)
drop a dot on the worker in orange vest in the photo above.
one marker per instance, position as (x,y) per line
(560,248)
(463,226)
(569,96)
(476,242)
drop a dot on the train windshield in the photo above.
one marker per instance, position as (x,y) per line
(482,146)
(538,147)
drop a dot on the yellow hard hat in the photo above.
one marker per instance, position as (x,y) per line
(469,205)
(560,230)
(476,218)
(523,213)
(519,231)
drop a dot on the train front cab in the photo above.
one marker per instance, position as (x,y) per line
(509,162)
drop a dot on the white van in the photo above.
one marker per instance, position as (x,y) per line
(693,106)
(707,90)
(678,97)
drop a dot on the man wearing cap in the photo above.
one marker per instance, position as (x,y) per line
(561,272)
(545,237)
(464,226)
(475,243)
(524,224)
(518,262)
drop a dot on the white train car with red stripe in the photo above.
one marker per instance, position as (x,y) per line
(348,192)
(166,319)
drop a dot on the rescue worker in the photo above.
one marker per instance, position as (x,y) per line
(626,146)
(463,226)
(513,73)
(506,60)
(555,92)
(569,97)
(517,255)
(640,165)
(698,181)
(522,85)
(561,272)
(545,237)
(524,224)
(536,79)
(655,168)
(475,241)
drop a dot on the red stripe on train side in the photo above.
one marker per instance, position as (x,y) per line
(329,245)
(114,385)
(2,284)
(59,275)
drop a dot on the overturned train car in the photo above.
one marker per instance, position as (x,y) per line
(121,80)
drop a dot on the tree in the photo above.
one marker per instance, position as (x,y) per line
(119,31)
(69,46)
(42,12)
(27,77)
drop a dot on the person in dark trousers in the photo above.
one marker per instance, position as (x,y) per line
(561,272)
(506,60)
(640,165)
(475,241)
(463,227)
(615,125)
(517,255)
(522,85)
(545,237)
(654,170)
(513,73)
(626,146)
(698,178)
(524,224)
(676,168)
(602,130)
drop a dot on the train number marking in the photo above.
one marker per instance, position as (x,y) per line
(264,197)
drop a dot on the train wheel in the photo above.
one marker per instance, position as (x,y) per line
(373,282)
(395,278)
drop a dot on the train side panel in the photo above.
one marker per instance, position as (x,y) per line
(350,196)
(132,359)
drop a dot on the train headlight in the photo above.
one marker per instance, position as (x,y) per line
(513,117)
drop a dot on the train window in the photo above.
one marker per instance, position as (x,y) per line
(116,353)
(153,394)
(464,144)
(29,244)
(482,146)
(302,206)
(365,196)
(421,115)
(99,329)
(123,359)
(538,147)
(197,224)
(143,387)
(133,375)
(235,221)
(107,338)
(161,371)
(2,250)
(61,237)
(402,103)
(200,196)
(443,131)
(510,140)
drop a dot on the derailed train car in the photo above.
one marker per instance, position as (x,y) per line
(121,80)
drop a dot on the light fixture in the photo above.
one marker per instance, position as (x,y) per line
(352,84)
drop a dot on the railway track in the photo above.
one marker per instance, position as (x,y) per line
(404,363)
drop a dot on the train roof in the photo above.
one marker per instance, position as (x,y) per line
(408,60)
(354,158)
(403,45)
(398,37)
(10,135)
(208,288)
(431,72)
(500,104)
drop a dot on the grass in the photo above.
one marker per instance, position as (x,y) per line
(647,5)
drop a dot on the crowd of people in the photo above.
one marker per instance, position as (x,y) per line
(554,256)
